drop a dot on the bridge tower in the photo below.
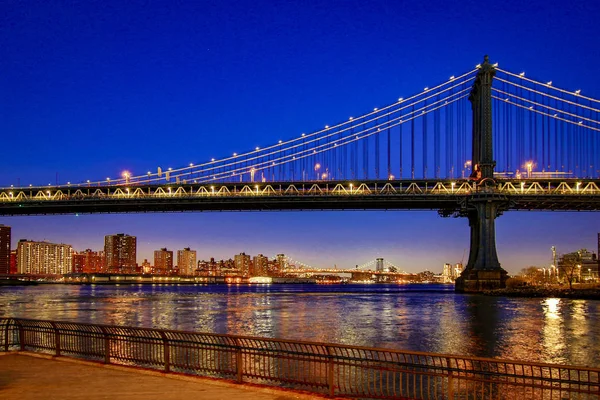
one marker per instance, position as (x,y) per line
(483,270)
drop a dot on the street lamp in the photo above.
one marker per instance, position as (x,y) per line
(529,166)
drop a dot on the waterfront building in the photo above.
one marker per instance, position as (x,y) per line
(88,262)
(120,252)
(186,261)
(146,267)
(447,273)
(163,261)
(379,265)
(273,267)
(458,269)
(4,249)
(282,261)
(259,266)
(451,272)
(13,262)
(580,265)
(242,263)
(43,258)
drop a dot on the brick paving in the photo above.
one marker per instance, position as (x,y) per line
(26,376)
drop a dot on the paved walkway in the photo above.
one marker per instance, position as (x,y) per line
(29,377)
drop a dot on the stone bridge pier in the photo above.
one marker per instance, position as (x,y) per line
(483,270)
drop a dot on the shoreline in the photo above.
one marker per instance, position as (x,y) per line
(537,292)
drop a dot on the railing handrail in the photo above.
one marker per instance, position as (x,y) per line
(335,369)
(311,343)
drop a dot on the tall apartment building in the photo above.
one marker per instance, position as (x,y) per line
(88,262)
(259,266)
(120,252)
(13,262)
(242,263)
(163,261)
(43,258)
(186,261)
(4,249)
(282,260)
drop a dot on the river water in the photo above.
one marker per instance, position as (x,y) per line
(409,317)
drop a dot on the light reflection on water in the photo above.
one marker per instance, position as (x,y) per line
(412,317)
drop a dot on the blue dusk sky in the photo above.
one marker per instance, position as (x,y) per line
(91,88)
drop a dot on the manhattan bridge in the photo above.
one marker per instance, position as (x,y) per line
(479,144)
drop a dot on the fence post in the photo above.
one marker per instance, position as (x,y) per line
(166,350)
(56,339)
(106,345)
(21,336)
(330,371)
(450,380)
(8,321)
(238,361)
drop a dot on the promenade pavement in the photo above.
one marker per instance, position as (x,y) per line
(26,376)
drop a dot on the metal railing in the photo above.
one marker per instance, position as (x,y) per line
(328,369)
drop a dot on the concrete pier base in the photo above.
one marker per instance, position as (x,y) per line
(476,281)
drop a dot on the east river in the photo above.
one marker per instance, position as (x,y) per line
(410,317)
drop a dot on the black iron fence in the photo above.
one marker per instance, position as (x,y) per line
(328,369)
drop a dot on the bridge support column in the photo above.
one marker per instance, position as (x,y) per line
(483,270)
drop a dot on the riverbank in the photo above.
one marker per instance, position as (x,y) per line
(540,291)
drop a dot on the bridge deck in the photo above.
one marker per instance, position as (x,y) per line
(447,195)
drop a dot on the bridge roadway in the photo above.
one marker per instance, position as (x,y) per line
(447,196)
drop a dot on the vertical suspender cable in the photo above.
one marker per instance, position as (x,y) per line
(377,155)
(412,144)
(424,122)
(436,140)
(447,142)
(389,163)
(400,149)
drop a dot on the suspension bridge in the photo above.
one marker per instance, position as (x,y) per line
(376,267)
(475,145)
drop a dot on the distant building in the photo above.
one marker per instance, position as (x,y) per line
(259,266)
(242,263)
(273,268)
(163,261)
(4,249)
(379,265)
(146,267)
(186,261)
(88,262)
(282,261)
(43,258)
(13,262)
(582,265)
(120,252)
(451,272)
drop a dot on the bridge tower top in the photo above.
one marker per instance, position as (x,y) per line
(481,103)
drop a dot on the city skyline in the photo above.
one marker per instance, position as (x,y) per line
(147,249)
(112,97)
